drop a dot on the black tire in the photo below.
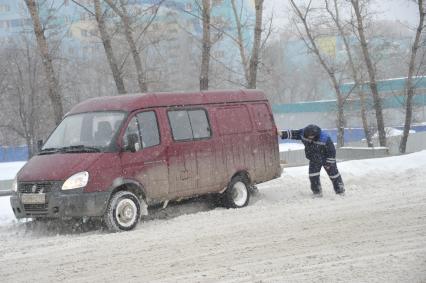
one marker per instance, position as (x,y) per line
(237,194)
(123,212)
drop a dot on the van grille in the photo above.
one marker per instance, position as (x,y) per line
(42,187)
(35,208)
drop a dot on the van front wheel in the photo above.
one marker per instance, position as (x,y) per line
(237,195)
(123,212)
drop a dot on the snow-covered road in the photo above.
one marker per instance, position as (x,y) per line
(376,233)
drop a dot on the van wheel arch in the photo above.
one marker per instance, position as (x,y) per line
(135,188)
(244,174)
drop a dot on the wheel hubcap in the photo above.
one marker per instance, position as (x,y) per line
(239,193)
(126,212)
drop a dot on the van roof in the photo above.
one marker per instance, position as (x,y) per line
(131,102)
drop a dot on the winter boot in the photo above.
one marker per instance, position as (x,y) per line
(339,188)
(316,190)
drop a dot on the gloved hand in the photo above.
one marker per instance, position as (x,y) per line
(283,134)
(329,162)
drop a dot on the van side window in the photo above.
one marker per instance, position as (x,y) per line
(181,127)
(148,129)
(189,124)
(199,123)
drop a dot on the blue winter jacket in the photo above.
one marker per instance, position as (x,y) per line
(320,150)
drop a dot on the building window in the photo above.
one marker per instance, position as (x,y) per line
(188,7)
(15,23)
(219,54)
(217,2)
(4,24)
(4,8)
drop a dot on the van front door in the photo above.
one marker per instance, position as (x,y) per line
(144,158)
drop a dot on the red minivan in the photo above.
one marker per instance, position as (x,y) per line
(111,157)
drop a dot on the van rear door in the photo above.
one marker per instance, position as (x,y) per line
(266,155)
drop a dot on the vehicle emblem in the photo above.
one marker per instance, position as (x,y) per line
(34,188)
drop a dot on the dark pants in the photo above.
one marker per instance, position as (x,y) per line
(333,173)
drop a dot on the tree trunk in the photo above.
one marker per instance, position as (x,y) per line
(367,132)
(358,83)
(340,113)
(106,41)
(254,59)
(205,53)
(410,85)
(125,20)
(371,74)
(133,47)
(240,42)
(53,85)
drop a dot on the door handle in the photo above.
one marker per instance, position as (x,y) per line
(184,175)
(154,162)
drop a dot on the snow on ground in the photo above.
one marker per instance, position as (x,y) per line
(393,132)
(8,170)
(289,146)
(376,233)
(6,213)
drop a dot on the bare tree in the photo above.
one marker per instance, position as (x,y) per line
(106,41)
(206,45)
(240,40)
(121,10)
(410,85)
(254,58)
(335,16)
(330,69)
(377,103)
(53,85)
(22,99)
(250,57)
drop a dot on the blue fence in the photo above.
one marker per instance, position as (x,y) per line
(11,153)
(357,134)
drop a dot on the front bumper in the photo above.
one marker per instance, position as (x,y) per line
(62,204)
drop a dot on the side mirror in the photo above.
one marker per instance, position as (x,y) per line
(39,145)
(133,142)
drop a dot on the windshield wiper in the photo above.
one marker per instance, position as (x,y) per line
(80,148)
(50,150)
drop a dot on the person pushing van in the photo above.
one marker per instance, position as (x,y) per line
(320,151)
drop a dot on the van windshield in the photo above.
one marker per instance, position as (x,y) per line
(85,132)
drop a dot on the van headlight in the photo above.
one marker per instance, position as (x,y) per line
(76,181)
(15,184)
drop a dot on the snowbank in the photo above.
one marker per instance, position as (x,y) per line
(6,213)
(392,132)
(291,146)
(8,170)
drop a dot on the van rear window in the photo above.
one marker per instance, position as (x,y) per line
(189,124)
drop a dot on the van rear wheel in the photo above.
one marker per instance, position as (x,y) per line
(237,194)
(123,212)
